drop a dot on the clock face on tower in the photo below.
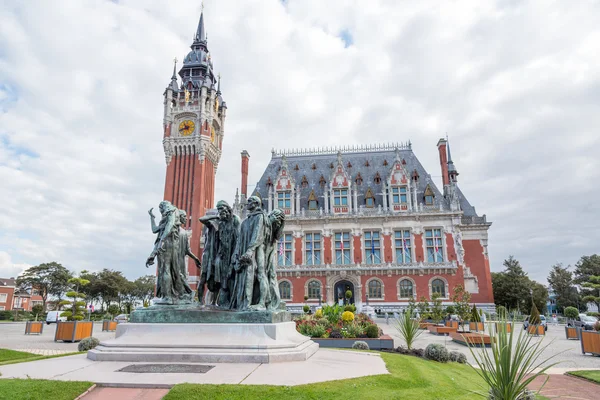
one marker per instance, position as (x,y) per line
(186,127)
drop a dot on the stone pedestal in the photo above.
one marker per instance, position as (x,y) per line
(206,315)
(206,343)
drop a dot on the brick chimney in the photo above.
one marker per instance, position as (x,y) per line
(443,161)
(245,160)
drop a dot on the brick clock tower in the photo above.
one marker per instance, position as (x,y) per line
(194,121)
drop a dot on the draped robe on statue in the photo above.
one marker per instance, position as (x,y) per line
(253,231)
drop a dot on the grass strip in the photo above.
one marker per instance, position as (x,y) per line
(13,357)
(592,376)
(39,389)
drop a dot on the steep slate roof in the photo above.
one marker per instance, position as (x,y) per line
(7,282)
(358,160)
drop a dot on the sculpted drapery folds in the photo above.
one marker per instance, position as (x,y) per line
(222,231)
(171,286)
(277,222)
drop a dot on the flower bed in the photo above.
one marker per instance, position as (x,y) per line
(334,323)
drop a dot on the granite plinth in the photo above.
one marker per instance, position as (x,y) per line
(206,343)
(206,315)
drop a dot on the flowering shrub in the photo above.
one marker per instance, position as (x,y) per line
(348,316)
(319,313)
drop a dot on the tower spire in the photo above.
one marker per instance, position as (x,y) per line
(452,172)
(219,85)
(200,32)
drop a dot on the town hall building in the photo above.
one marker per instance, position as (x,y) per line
(368,219)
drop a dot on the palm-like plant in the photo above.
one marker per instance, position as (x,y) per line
(511,365)
(408,329)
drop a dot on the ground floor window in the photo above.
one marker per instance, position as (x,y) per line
(314,290)
(375,289)
(285,290)
(438,286)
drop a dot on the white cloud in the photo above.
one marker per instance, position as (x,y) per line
(9,269)
(514,84)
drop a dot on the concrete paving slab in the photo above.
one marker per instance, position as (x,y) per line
(107,393)
(325,365)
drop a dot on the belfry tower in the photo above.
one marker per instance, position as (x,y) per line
(194,121)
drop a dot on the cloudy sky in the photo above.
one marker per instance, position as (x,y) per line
(515,84)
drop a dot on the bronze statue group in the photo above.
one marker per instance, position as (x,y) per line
(239,260)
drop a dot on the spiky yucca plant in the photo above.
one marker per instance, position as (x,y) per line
(408,329)
(510,365)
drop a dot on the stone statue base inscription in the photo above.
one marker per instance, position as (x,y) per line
(206,315)
(206,343)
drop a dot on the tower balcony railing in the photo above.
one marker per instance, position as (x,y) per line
(445,265)
(367,212)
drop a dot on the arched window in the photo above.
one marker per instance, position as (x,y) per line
(375,289)
(406,288)
(314,290)
(285,290)
(438,286)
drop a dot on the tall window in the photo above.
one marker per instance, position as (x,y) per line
(399,195)
(403,246)
(285,249)
(433,241)
(284,199)
(438,286)
(3,297)
(375,289)
(372,247)
(285,290)
(312,244)
(406,288)
(340,197)
(342,248)
(314,290)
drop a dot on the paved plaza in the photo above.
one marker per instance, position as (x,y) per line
(566,352)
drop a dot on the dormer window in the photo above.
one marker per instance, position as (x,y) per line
(284,199)
(399,195)
(340,197)
(358,179)
(313,204)
(428,195)
(348,165)
(322,181)
(296,168)
(377,179)
(367,163)
(385,163)
(369,199)
(304,181)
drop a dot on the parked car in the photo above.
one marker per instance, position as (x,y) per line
(54,316)
(583,321)
(543,322)
(121,318)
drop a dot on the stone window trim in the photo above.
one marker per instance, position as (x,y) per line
(3,297)
(446,287)
(382,288)
(349,250)
(291,288)
(369,257)
(424,242)
(410,244)
(306,287)
(396,190)
(414,288)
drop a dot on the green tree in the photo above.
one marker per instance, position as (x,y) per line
(461,299)
(437,310)
(592,287)
(423,307)
(539,293)
(412,306)
(113,310)
(144,288)
(76,310)
(37,310)
(475,314)
(108,285)
(49,279)
(571,312)
(586,267)
(534,318)
(511,287)
(560,280)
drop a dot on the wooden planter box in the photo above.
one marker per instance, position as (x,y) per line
(34,327)
(452,324)
(474,339)
(572,332)
(383,342)
(508,326)
(73,331)
(109,326)
(590,342)
(536,330)
(476,326)
(441,330)
(424,325)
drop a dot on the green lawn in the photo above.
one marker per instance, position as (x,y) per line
(409,378)
(13,357)
(593,376)
(34,389)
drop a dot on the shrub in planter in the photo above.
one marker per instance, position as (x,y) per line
(348,316)
(571,312)
(457,356)
(319,313)
(348,308)
(360,345)
(306,308)
(436,352)
(372,331)
(88,343)
(597,326)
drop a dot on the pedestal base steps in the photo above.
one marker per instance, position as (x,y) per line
(206,343)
